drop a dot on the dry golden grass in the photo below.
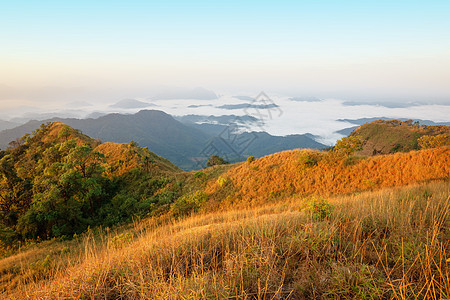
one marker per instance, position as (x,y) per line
(122,158)
(307,172)
(388,244)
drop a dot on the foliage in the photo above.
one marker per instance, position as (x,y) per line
(430,141)
(215,160)
(189,202)
(60,182)
(137,194)
(120,240)
(386,243)
(308,172)
(200,175)
(347,145)
(221,181)
(122,158)
(389,244)
(319,208)
(309,158)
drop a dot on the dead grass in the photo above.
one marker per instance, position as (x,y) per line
(309,172)
(388,244)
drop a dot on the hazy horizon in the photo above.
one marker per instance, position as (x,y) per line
(371,51)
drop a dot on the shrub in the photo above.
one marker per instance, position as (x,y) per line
(189,202)
(348,145)
(309,159)
(250,159)
(222,181)
(200,175)
(120,240)
(41,268)
(165,197)
(429,141)
(319,208)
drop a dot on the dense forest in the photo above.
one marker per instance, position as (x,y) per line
(58,182)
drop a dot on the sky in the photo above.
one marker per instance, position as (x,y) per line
(363,50)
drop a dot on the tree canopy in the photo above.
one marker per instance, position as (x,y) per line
(215,160)
(56,183)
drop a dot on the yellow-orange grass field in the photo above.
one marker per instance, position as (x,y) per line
(386,244)
(307,172)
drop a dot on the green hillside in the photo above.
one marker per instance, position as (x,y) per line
(58,182)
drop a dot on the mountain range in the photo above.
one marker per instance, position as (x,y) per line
(7,125)
(187,144)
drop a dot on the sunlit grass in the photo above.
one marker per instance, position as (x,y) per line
(310,172)
(391,244)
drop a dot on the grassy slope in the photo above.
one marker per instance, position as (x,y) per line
(391,243)
(384,137)
(308,172)
(120,157)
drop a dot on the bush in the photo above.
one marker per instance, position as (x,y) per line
(309,159)
(222,181)
(429,141)
(200,175)
(165,197)
(348,145)
(319,208)
(120,240)
(189,202)
(250,159)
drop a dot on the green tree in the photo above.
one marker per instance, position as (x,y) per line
(67,192)
(15,192)
(347,145)
(215,160)
(64,133)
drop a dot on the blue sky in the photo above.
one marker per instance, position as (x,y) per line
(368,50)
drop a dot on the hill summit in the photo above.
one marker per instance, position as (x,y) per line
(391,136)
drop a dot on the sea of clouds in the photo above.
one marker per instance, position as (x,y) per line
(284,115)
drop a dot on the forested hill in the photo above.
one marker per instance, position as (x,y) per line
(58,182)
